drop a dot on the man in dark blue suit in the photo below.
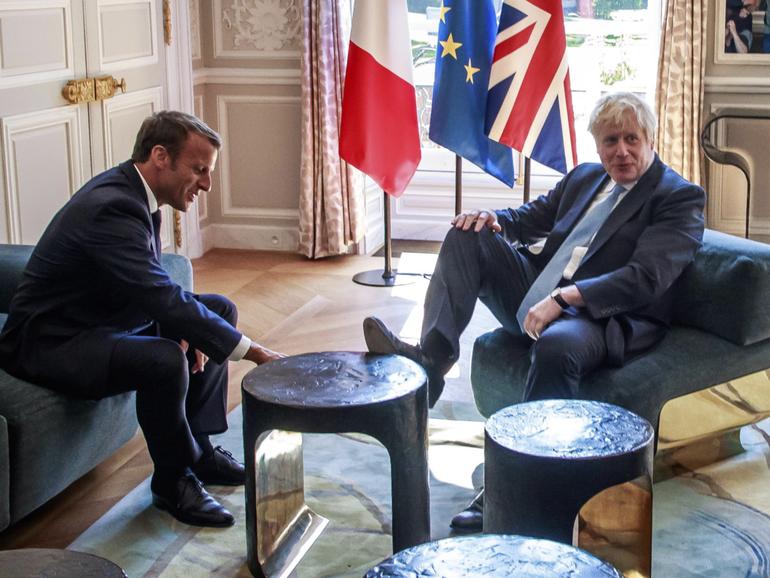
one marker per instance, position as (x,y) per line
(585,271)
(95,314)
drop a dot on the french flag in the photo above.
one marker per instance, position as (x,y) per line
(379,133)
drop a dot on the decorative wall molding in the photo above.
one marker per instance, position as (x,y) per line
(22,76)
(179,96)
(15,126)
(717,187)
(127,60)
(248,76)
(226,203)
(195,29)
(758,84)
(257,29)
(202,202)
(251,237)
(179,75)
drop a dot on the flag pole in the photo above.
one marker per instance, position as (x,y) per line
(458,184)
(386,277)
(527,169)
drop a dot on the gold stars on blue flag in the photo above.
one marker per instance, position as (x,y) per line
(450,47)
(466,33)
(470,71)
(442,11)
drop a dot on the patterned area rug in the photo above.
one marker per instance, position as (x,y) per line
(713,522)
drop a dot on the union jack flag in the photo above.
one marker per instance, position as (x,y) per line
(529,103)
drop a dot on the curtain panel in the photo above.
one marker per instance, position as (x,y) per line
(331,194)
(680,89)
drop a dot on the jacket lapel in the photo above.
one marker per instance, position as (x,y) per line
(564,225)
(137,187)
(627,207)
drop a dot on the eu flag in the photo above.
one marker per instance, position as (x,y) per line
(466,40)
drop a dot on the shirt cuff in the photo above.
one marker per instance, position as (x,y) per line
(240,349)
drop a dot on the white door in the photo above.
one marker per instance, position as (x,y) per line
(124,39)
(50,147)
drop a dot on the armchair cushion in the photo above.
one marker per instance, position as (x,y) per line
(726,289)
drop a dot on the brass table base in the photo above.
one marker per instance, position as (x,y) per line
(577,472)
(383,396)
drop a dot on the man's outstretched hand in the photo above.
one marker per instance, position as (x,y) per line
(260,355)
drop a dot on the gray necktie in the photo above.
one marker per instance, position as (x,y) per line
(580,236)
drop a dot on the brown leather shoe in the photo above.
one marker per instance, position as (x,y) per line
(380,339)
(220,469)
(471,519)
(191,504)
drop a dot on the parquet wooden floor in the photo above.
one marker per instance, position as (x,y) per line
(289,304)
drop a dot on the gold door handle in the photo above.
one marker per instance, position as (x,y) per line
(92,89)
(77,91)
(107,86)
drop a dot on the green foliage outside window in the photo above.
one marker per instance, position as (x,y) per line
(422,53)
(603,8)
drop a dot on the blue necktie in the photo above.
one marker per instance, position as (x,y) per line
(580,236)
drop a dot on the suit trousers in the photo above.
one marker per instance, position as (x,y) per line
(172,404)
(485,266)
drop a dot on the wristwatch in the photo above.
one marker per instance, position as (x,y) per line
(556,296)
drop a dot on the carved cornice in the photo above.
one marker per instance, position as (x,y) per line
(263,25)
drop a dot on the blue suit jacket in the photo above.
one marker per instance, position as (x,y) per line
(93,278)
(626,278)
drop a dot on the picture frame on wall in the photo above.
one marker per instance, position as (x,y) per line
(742,32)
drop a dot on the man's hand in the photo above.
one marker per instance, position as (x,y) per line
(200,358)
(478,219)
(259,355)
(544,312)
(540,316)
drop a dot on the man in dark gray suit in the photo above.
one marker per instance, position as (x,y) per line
(585,271)
(96,315)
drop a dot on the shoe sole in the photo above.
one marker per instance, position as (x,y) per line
(219,482)
(375,335)
(166,507)
(460,530)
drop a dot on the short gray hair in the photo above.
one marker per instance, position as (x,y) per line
(611,109)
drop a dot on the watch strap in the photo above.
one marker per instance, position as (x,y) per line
(556,296)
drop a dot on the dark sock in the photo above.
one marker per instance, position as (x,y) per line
(437,353)
(205,444)
(164,479)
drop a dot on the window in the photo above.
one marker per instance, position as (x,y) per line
(612,45)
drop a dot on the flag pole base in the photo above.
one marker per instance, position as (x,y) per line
(378,278)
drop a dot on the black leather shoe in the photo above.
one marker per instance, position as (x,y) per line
(191,504)
(380,339)
(220,469)
(471,519)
